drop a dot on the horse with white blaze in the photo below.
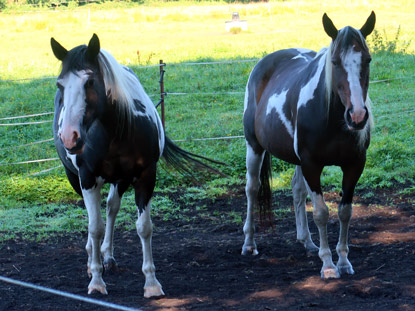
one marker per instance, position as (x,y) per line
(107,130)
(312,110)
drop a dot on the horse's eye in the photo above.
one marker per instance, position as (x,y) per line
(89,83)
(335,63)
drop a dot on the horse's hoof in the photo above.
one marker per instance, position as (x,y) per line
(110,264)
(153,291)
(97,286)
(88,271)
(249,250)
(311,250)
(330,273)
(345,269)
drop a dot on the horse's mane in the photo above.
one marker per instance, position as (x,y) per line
(120,85)
(345,38)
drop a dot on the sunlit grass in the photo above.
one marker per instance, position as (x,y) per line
(184,31)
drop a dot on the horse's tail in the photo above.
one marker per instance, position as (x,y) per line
(264,193)
(186,162)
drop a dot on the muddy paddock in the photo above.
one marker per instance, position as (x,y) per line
(199,264)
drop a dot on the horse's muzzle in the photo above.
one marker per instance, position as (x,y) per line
(78,148)
(358,122)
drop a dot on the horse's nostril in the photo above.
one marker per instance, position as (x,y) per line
(75,136)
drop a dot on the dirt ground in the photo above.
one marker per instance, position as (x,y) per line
(200,267)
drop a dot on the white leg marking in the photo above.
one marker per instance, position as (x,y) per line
(96,228)
(253,166)
(107,247)
(321,217)
(345,214)
(300,196)
(152,287)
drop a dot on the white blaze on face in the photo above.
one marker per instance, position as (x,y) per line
(352,61)
(73,107)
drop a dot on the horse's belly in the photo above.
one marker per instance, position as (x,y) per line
(277,137)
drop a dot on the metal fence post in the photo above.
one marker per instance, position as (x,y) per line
(162,93)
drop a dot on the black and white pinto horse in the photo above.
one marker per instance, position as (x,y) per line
(107,130)
(313,110)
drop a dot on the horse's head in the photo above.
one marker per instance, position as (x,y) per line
(348,69)
(82,92)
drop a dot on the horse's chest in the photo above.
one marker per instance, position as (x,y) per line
(118,166)
(330,149)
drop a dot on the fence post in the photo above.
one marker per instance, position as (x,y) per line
(162,93)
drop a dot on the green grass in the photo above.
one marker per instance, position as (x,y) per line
(188,32)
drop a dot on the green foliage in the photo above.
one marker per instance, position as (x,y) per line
(26,189)
(235,30)
(380,43)
(3,4)
(39,221)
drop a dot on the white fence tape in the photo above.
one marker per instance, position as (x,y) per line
(68,295)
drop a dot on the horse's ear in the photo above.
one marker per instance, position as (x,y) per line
(329,27)
(59,51)
(93,48)
(369,25)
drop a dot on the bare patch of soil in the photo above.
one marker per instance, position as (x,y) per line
(200,267)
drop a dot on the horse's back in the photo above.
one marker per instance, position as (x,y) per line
(266,95)
(274,65)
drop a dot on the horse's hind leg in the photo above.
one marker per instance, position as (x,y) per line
(253,166)
(107,247)
(300,196)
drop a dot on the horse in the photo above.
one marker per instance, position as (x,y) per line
(107,130)
(312,110)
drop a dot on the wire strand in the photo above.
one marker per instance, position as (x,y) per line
(68,295)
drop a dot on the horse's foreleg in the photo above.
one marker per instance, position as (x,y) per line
(321,218)
(253,166)
(92,199)
(152,287)
(300,196)
(107,247)
(350,177)
(345,214)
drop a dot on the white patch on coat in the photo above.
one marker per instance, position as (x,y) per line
(301,52)
(72,158)
(246,97)
(276,102)
(307,91)
(296,144)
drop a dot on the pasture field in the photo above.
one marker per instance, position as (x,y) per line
(183,33)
